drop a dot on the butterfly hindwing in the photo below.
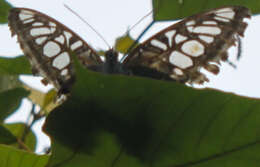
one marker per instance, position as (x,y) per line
(182,49)
(49,45)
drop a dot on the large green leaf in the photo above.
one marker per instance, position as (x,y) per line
(130,121)
(4,9)
(11,157)
(10,101)
(178,9)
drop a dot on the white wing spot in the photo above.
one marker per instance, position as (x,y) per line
(164,59)
(28,21)
(37,24)
(64,72)
(174,76)
(61,61)
(27,12)
(51,49)
(179,38)
(221,19)
(190,28)
(190,23)
(180,60)
(178,71)
(229,15)
(169,35)
(76,45)
(207,30)
(40,40)
(224,10)
(51,24)
(209,22)
(206,39)
(60,39)
(52,29)
(67,36)
(159,44)
(24,16)
(40,31)
(193,48)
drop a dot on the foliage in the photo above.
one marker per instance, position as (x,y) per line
(4,8)
(177,9)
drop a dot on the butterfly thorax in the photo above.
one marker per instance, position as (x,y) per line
(112,65)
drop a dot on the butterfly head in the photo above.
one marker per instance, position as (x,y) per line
(112,65)
(111,56)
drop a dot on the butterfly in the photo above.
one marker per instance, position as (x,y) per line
(177,53)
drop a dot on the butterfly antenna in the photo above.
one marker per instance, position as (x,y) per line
(93,29)
(140,35)
(137,40)
(140,20)
(144,31)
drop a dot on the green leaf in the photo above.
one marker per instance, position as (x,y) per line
(178,9)
(8,82)
(45,100)
(123,43)
(15,66)
(113,120)
(10,68)
(11,157)
(6,137)
(10,101)
(48,101)
(4,9)
(11,92)
(18,130)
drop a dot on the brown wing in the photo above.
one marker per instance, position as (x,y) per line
(49,45)
(199,41)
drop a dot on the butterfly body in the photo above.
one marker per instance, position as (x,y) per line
(112,64)
(177,53)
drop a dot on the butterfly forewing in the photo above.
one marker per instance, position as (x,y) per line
(199,41)
(49,45)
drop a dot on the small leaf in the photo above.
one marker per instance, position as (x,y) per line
(18,130)
(10,101)
(49,100)
(8,82)
(123,43)
(44,100)
(15,66)
(6,137)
